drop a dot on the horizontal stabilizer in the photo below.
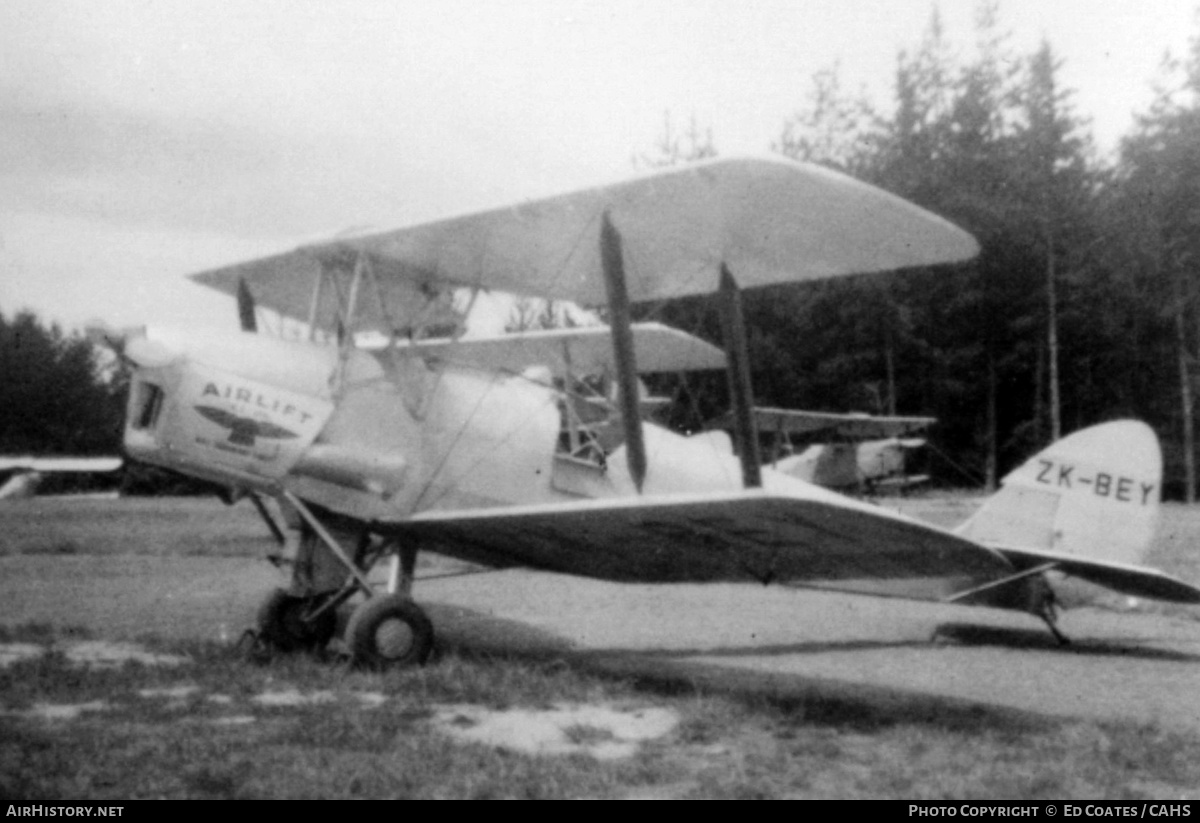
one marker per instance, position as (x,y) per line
(581,351)
(1138,581)
(769,219)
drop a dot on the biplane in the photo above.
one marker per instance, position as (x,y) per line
(23,475)
(853,452)
(389,430)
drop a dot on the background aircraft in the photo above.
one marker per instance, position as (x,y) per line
(515,452)
(850,452)
(23,475)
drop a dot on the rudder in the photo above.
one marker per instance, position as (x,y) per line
(1093,494)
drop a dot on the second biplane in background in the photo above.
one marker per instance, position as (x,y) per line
(859,453)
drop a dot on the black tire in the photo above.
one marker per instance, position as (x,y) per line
(281,623)
(389,630)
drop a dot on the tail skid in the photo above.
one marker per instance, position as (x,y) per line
(1027,590)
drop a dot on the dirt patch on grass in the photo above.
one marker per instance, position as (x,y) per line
(14,652)
(95,654)
(604,732)
(62,711)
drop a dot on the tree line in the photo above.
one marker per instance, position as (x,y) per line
(1083,306)
(59,398)
(62,395)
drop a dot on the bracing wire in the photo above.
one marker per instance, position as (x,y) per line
(435,475)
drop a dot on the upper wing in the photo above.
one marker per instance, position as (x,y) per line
(580,351)
(1139,581)
(61,464)
(770,220)
(842,426)
(742,535)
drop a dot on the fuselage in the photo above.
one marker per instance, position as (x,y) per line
(379,435)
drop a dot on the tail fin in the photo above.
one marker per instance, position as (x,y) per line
(1093,494)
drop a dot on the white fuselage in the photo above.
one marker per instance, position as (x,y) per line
(381,435)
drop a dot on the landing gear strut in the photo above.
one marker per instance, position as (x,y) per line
(385,631)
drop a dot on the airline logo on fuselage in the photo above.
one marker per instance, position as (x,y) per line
(244,430)
(254,414)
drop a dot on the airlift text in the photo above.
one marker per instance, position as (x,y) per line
(256,400)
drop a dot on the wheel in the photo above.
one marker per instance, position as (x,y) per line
(389,630)
(282,624)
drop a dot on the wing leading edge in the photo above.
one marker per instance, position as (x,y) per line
(705,538)
(770,220)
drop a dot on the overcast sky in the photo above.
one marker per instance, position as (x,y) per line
(142,141)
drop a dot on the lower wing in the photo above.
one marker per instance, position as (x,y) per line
(61,464)
(705,537)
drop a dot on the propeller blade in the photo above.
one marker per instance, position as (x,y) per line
(132,345)
(245,303)
(102,334)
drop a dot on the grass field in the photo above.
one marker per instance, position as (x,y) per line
(134,525)
(218,725)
